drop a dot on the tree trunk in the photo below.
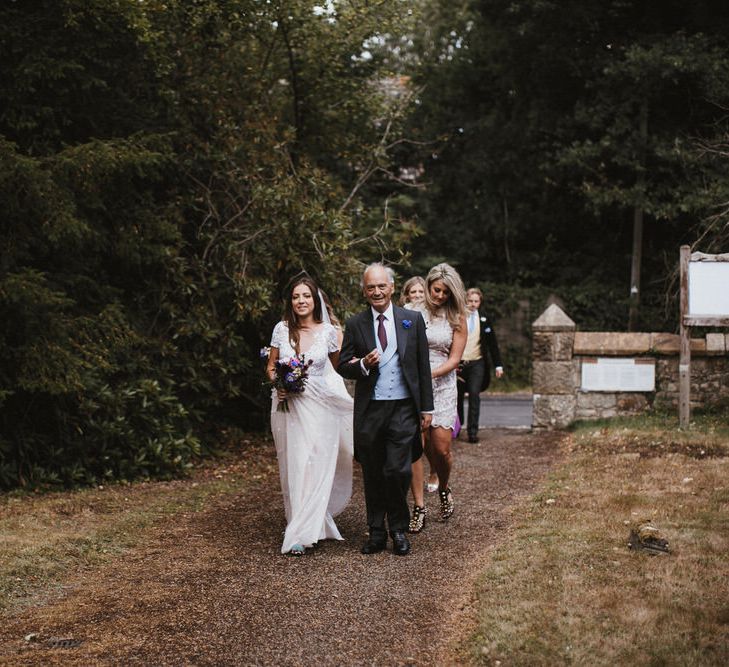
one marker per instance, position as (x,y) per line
(637,254)
(507,254)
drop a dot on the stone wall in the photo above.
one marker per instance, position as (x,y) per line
(558,351)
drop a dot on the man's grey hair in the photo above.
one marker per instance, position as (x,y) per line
(378,265)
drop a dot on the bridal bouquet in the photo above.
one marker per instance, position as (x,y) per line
(291,375)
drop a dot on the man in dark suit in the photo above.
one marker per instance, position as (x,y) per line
(385,350)
(474,371)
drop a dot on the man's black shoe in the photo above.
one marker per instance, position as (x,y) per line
(373,546)
(472,438)
(400,543)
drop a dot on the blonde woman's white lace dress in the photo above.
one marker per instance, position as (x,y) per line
(313,444)
(445,394)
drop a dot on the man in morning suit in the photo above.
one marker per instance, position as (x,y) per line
(474,371)
(385,350)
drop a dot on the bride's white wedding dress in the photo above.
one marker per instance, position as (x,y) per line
(313,443)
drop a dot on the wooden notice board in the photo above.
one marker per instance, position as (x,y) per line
(704,302)
(618,374)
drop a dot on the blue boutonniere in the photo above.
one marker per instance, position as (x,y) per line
(406,324)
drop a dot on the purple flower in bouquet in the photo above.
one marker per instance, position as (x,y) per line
(291,376)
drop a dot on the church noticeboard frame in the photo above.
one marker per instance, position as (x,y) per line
(618,374)
(708,286)
(704,302)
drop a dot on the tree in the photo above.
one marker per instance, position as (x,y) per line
(636,124)
(166,171)
(561,124)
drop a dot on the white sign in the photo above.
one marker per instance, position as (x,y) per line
(708,288)
(611,374)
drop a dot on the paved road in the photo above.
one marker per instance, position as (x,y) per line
(504,410)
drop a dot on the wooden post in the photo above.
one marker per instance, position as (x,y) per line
(684,360)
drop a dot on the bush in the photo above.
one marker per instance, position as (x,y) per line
(132,430)
(593,307)
(157,198)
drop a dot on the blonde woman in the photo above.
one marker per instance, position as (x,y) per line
(444,311)
(412,296)
(413,292)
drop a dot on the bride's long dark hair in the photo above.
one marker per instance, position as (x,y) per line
(290,317)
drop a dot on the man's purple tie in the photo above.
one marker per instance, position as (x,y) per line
(381,333)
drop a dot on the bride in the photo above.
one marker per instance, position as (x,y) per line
(314,435)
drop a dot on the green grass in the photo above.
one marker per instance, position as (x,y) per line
(710,422)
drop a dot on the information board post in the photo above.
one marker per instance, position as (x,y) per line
(704,302)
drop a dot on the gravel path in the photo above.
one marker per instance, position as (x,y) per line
(212,589)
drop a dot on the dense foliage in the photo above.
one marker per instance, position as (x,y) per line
(556,123)
(165,168)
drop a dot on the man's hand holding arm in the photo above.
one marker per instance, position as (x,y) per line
(348,366)
(370,361)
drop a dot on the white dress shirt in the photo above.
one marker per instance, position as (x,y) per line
(389,327)
(389,330)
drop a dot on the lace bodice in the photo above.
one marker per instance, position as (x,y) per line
(439,333)
(440,340)
(440,337)
(324,343)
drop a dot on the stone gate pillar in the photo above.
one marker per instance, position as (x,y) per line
(554,371)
